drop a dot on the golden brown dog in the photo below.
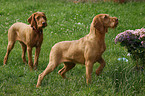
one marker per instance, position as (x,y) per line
(86,50)
(29,36)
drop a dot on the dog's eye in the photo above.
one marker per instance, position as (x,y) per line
(38,18)
(106,17)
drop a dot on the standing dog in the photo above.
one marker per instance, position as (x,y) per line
(29,36)
(86,50)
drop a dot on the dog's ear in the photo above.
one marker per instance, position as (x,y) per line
(32,21)
(29,19)
(97,23)
(106,19)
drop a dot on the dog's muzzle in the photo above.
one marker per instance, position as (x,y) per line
(44,24)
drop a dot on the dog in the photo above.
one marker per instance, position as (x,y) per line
(86,50)
(29,36)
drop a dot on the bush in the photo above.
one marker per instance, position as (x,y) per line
(134,41)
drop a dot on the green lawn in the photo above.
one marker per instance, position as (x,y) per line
(69,21)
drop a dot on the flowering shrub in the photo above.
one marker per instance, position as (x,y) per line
(134,41)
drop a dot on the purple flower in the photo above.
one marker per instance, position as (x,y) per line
(131,35)
(142,37)
(143,43)
(132,39)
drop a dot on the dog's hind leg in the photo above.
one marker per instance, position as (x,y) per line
(67,67)
(9,48)
(11,42)
(24,47)
(100,69)
(49,68)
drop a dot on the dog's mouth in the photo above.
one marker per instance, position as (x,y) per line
(115,24)
(43,26)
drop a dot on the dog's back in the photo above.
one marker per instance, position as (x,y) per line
(18,31)
(67,51)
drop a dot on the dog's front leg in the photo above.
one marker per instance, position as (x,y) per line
(100,69)
(29,50)
(37,52)
(89,68)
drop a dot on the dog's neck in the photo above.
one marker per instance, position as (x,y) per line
(37,30)
(97,34)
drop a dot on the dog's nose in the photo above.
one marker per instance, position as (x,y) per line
(43,23)
(117,19)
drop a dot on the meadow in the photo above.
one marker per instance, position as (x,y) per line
(69,21)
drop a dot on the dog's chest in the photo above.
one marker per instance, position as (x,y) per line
(102,48)
(95,54)
(99,50)
(37,40)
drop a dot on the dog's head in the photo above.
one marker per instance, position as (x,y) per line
(103,21)
(38,20)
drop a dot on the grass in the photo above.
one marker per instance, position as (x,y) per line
(69,21)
